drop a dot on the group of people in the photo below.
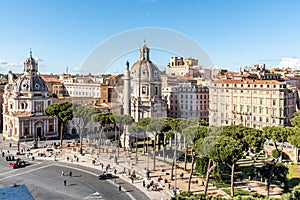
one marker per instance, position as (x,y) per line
(63,174)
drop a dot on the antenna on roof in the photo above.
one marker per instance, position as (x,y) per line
(30,53)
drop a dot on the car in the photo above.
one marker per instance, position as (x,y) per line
(13,165)
(17,164)
(104,176)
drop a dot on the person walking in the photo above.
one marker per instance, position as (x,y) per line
(120,188)
(144,183)
(65,182)
(62,173)
(71,174)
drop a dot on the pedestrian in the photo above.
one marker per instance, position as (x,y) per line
(71,174)
(77,159)
(132,179)
(67,158)
(144,183)
(65,182)
(169,185)
(9,145)
(181,175)
(120,188)
(249,189)
(115,171)
(62,173)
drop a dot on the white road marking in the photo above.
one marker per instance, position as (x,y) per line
(95,195)
(7,177)
(127,193)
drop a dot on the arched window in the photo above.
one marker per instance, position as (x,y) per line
(144,90)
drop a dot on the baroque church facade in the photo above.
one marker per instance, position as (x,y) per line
(143,89)
(25,99)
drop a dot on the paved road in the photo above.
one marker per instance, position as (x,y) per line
(44,181)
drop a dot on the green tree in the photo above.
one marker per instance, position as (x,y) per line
(103,119)
(155,127)
(278,135)
(296,120)
(186,123)
(63,112)
(294,137)
(175,126)
(143,123)
(228,151)
(192,134)
(201,165)
(121,121)
(206,149)
(84,114)
(136,129)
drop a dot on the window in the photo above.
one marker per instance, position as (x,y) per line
(144,90)
(38,106)
(254,100)
(260,110)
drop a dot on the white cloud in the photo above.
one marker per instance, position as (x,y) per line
(6,66)
(293,63)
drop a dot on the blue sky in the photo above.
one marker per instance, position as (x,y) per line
(234,33)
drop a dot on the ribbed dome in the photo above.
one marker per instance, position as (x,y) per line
(144,69)
(31,83)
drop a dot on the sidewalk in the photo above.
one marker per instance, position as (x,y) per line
(126,161)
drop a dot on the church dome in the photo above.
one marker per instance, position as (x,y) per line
(144,69)
(31,83)
(30,80)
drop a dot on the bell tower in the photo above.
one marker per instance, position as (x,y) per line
(144,52)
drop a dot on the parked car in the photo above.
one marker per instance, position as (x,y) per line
(105,176)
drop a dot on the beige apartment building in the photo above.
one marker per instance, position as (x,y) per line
(251,103)
(187,101)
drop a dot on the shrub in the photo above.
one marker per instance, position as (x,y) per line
(275,153)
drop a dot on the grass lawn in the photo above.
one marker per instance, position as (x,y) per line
(294,175)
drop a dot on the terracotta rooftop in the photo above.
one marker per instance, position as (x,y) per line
(232,81)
